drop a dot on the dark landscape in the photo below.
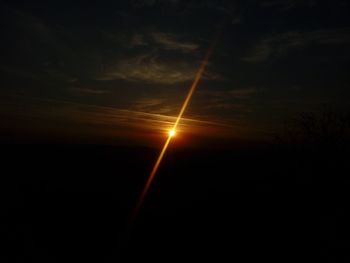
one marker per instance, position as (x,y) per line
(73,203)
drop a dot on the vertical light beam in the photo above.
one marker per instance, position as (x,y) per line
(193,87)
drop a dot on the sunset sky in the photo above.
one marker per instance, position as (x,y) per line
(118,71)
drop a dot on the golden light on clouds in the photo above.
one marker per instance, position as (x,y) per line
(110,122)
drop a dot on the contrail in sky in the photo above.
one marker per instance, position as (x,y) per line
(192,89)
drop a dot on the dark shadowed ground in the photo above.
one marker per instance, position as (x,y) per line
(71,203)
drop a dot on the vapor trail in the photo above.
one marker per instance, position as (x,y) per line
(192,89)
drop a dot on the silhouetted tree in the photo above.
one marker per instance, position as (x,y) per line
(320,131)
(315,145)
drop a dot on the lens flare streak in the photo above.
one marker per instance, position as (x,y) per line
(172,132)
(150,179)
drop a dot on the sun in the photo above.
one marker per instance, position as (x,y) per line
(172,133)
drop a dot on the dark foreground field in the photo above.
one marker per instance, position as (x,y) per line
(71,203)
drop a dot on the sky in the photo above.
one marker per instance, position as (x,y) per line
(118,71)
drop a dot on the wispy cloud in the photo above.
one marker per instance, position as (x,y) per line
(153,105)
(172,42)
(162,41)
(90,91)
(150,69)
(233,102)
(259,53)
(280,44)
(237,93)
(138,40)
(100,117)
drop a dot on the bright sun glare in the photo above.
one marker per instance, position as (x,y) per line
(172,133)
